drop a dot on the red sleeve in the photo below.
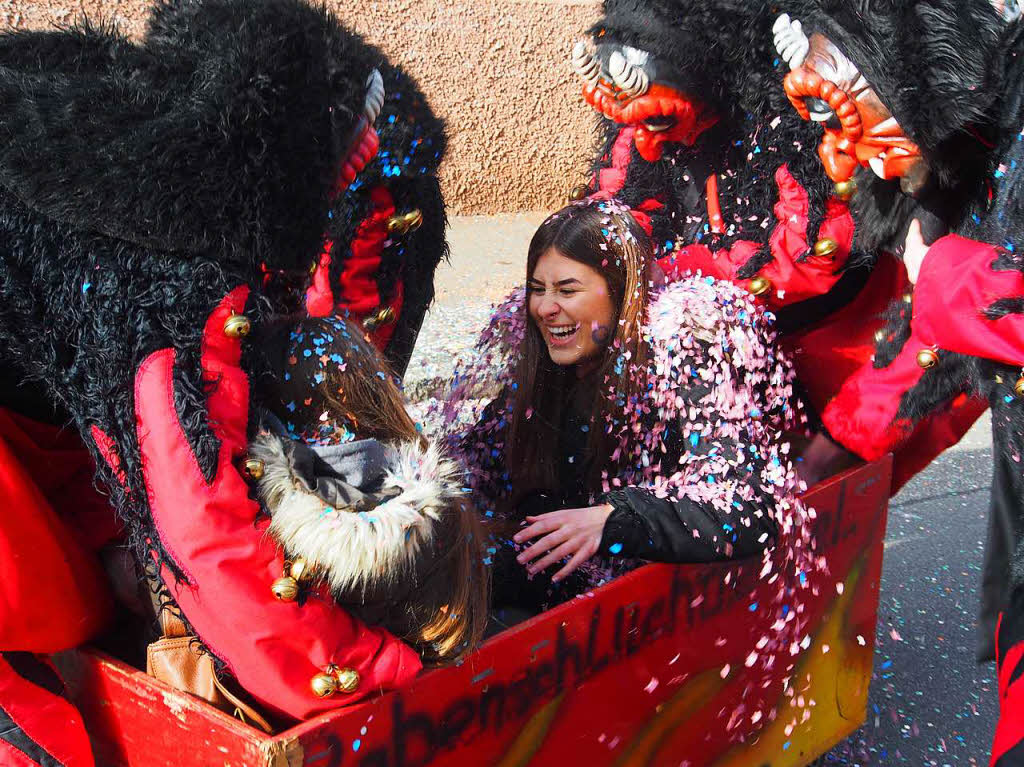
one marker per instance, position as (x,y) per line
(273,648)
(356,293)
(863,415)
(795,272)
(53,594)
(957,283)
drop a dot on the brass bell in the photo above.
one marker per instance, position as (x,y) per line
(324,685)
(383,316)
(879,336)
(299,569)
(286,589)
(908,298)
(927,358)
(237,326)
(759,286)
(405,222)
(846,189)
(577,193)
(1019,387)
(348,680)
(254,468)
(825,247)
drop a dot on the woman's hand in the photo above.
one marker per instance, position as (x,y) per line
(573,533)
(914,250)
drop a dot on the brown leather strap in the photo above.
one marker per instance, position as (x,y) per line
(171,624)
(178,660)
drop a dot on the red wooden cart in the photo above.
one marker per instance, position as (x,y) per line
(637,673)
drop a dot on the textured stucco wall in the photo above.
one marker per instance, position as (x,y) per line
(496,70)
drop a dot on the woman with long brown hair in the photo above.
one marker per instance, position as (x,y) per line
(360,502)
(631,422)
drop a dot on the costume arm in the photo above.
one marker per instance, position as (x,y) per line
(791,270)
(915,395)
(969,299)
(227,562)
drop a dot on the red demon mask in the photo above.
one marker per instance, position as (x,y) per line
(859,129)
(629,90)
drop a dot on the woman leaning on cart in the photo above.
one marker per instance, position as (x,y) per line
(630,423)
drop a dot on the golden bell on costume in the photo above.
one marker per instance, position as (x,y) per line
(237,326)
(927,358)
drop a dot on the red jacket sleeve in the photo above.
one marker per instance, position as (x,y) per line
(956,285)
(795,272)
(53,594)
(868,415)
(273,648)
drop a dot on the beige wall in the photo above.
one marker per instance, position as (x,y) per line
(496,70)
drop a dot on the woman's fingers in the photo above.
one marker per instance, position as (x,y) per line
(582,555)
(545,523)
(556,555)
(545,544)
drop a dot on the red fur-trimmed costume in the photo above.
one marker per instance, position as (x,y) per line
(391,220)
(133,264)
(938,121)
(702,147)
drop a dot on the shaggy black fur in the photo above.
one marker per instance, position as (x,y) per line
(724,51)
(952,73)
(412,145)
(139,183)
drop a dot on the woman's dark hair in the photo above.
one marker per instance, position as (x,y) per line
(604,236)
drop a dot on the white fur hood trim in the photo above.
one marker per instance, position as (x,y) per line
(356,550)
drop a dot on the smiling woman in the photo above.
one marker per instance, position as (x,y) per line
(632,422)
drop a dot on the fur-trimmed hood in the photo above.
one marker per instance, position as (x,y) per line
(362,514)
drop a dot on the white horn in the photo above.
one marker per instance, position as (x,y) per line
(790,40)
(585,64)
(631,79)
(374,96)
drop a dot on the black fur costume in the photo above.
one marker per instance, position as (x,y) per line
(723,52)
(952,73)
(139,183)
(412,144)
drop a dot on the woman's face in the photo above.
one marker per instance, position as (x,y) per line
(572,308)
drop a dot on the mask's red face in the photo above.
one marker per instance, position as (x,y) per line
(859,128)
(627,91)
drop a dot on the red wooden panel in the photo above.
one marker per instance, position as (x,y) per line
(630,674)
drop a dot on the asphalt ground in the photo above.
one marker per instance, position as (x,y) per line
(930,702)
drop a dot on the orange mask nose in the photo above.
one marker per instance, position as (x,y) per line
(836,155)
(689,117)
